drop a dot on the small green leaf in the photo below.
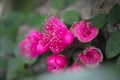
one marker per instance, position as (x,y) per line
(57,4)
(14,64)
(35,20)
(113,45)
(99,20)
(114,14)
(70,16)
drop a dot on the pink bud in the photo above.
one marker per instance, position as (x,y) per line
(84,31)
(91,56)
(33,45)
(56,63)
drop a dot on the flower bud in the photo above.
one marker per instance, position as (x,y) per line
(91,56)
(84,31)
(56,63)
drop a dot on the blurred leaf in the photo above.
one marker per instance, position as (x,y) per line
(16,17)
(114,14)
(6,46)
(57,4)
(70,16)
(9,25)
(113,45)
(69,2)
(118,61)
(61,4)
(25,6)
(99,20)
(35,20)
(3,63)
(14,64)
(23,73)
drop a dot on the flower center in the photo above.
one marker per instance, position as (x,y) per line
(86,32)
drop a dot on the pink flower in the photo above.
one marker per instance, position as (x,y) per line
(33,45)
(60,42)
(61,35)
(56,63)
(52,24)
(56,38)
(84,31)
(91,56)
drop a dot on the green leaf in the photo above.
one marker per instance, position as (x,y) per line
(10,24)
(57,4)
(118,61)
(99,20)
(114,14)
(35,20)
(69,2)
(24,73)
(6,46)
(70,16)
(3,63)
(113,45)
(14,65)
(16,17)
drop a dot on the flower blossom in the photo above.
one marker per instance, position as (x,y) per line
(84,31)
(91,56)
(56,38)
(62,37)
(33,45)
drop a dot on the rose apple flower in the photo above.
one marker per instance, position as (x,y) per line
(62,37)
(56,63)
(85,31)
(91,56)
(33,45)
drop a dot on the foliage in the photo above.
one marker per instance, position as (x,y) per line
(113,44)
(99,20)
(70,16)
(114,15)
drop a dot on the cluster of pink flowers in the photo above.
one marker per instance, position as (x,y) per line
(56,37)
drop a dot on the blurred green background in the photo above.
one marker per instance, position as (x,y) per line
(18,17)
